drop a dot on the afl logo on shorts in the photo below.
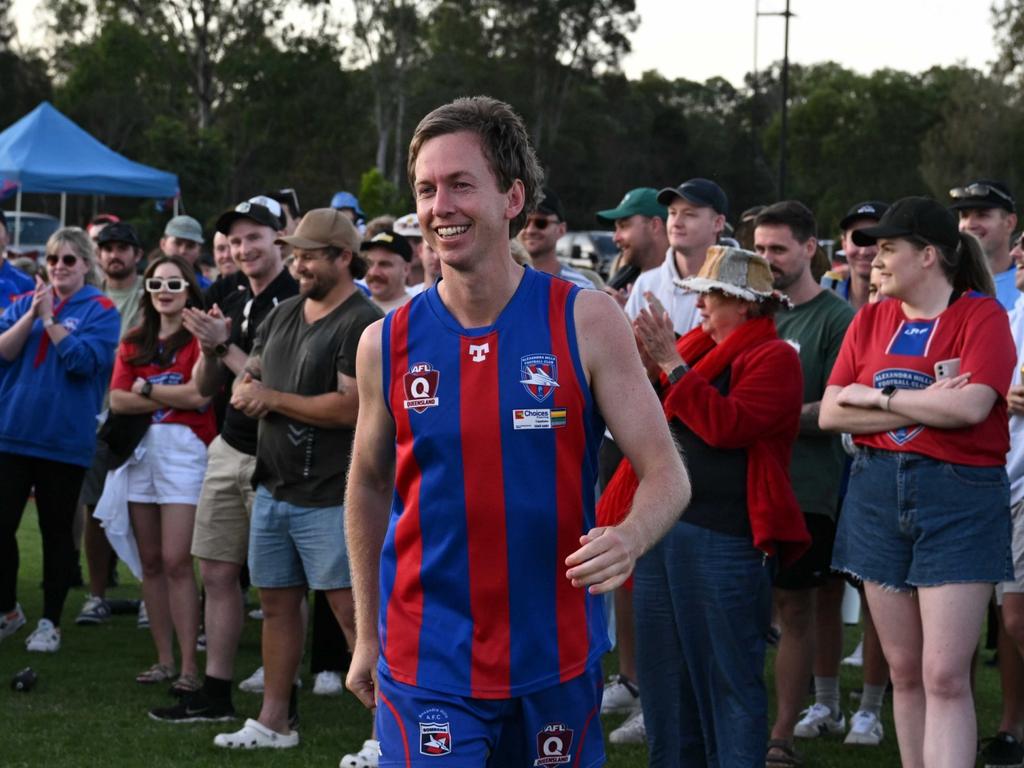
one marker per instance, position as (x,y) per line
(539,375)
(553,745)
(421,387)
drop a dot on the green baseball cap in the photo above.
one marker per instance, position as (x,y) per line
(642,200)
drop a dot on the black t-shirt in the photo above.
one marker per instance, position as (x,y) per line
(234,297)
(301,463)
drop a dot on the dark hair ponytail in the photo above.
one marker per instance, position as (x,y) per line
(966,266)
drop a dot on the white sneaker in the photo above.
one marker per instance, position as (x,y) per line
(44,639)
(12,622)
(367,757)
(817,721)
(254,682)
(328,683)
(255,735)
(256,613)
(865,728)
(620,695)
(630,732)
(856,659)
(143,621)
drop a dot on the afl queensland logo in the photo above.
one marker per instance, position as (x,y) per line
(539,375)
(421,387)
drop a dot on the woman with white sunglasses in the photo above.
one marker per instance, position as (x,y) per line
(153,374)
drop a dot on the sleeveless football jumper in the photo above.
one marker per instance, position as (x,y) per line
(496,464)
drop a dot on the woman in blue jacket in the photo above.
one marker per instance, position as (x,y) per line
(57,346)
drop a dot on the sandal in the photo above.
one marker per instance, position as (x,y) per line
(781,754)
(185,684)
(158,673)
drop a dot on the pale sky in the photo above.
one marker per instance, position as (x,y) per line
(698,40)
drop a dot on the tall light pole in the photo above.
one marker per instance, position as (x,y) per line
(787,15)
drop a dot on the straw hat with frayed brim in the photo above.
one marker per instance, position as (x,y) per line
(735,272)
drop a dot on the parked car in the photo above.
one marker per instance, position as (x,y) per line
(593,249)
(36,229)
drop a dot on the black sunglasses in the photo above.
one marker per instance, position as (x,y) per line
(68,259)
(539,223)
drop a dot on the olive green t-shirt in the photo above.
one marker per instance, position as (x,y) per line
(816,329)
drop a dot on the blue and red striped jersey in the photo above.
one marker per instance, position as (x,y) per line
(496,464)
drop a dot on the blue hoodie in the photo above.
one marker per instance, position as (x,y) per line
(50,394)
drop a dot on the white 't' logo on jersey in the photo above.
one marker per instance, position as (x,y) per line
(479,351)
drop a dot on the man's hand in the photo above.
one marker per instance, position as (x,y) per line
(210,328)
(604,561)
(251,397)
(362,674)
(1015,401)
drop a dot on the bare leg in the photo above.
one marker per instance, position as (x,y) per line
(177,521)
(951,618)
(344,611)
(147,529)
(793,662)
(224,606)
(282,652)
(1011,666)
(876,668)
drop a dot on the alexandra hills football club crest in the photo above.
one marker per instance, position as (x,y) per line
(539,375)
(421,387)
(435,733)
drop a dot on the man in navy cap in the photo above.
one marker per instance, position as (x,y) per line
(988,211)
(540,235)
(854,286)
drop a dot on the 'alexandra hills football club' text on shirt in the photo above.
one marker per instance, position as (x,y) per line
(496,441)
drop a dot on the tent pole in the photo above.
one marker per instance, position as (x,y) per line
(17,230)
(63,207)
(175,206)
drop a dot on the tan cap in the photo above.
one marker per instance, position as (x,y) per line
(323,227)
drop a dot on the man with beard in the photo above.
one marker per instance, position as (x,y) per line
(237,307)
(540,235)
(299,381)
(784,233)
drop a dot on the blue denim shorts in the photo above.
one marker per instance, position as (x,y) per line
(293,546)
(910,521)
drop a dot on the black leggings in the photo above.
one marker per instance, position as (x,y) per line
(56,486)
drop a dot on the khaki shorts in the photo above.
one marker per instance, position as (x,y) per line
(1017,585)
(225,504)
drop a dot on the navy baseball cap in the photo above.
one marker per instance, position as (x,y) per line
(919,217)
(702,192)
(389,241)
(983,193)
(869,209)
(551,205)
(119,232)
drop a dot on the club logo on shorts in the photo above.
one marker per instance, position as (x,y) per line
(435,733)
(421,387)
(539,375)
(554,745)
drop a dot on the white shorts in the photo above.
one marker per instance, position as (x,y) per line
(172,469)
(1017,545)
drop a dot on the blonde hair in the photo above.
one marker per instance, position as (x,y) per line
(79,242)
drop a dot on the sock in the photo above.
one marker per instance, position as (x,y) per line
(826,693)
(871,699)
(217,688)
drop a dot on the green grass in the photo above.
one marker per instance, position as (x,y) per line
(87,709)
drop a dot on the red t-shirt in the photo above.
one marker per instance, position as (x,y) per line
(883,347)
(203,422)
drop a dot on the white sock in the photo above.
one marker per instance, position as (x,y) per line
(871,699)
(826,693)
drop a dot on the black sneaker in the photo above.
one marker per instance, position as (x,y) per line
(195,708)
(1002,751)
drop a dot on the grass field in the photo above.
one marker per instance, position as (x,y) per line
(87,709)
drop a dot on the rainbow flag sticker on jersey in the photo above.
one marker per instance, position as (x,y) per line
(558,417)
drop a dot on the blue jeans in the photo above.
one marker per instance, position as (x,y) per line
(702,603)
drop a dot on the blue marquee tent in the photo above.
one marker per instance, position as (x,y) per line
(46,152)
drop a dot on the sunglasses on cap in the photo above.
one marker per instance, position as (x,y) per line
(979,190)
(169,284)
(68,259)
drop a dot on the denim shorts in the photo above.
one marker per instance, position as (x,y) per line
(293,546)
(910,521)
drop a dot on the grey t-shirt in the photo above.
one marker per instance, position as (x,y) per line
(300,463)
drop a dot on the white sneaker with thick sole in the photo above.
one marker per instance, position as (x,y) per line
(865,729)
(632,731)
(856,658)
(254,682)
(328,683)
(45,638)
(367,757)
(255,735)
(620,696)
(12,621)
(817,721)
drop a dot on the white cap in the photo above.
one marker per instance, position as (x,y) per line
(408,226)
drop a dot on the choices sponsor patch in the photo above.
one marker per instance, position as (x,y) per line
(538,418)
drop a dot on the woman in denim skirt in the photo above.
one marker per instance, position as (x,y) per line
(920,383)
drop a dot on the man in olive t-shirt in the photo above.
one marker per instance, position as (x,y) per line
(299,381)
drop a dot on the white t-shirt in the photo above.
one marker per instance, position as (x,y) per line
(681,305)
(1015,456)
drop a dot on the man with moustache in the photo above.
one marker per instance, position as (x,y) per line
(299,381)
(237,306)
(387,255)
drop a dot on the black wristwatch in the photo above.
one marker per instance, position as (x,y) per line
(147,389)
(887,393)
(220,350)
(677,373)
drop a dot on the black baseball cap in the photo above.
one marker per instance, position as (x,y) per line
(551,205)
(983,193)
(869,209)
(389,241)
(702,192)
(261,214)
(919,217)
(119,232)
